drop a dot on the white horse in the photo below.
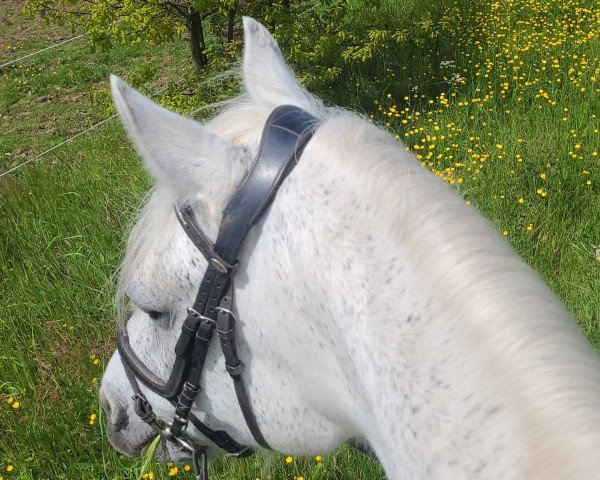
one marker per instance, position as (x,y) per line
(372,302)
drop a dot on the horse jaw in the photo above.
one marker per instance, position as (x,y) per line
(267,78)
(178,152)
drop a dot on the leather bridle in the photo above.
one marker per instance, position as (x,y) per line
(286,133)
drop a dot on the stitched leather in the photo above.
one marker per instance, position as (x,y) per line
(286,133)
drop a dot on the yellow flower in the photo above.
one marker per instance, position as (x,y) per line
(9,468)
(186,468)
(521,200)
(148,475)
(15,405)
(318,458)
(588,182)
(289,459)
(499,146)
(529,227)
(92,418)
(173,471)
(505,233)
(96,361)
(541,192)
(10,400)
(543,176)
(298,478)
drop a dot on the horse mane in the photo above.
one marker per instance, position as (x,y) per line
(478,284)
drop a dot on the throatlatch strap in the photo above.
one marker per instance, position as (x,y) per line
(235,367)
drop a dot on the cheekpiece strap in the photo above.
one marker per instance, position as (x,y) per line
(286,133)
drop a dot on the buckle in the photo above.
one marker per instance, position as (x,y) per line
(243,453)
(197,314)
(218,266)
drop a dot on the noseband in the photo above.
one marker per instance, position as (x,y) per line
(286,133)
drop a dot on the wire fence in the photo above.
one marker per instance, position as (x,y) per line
(45,49)
(86,130)
(79,134)
(17,60)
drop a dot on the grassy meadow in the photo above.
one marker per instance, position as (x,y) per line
(499,98)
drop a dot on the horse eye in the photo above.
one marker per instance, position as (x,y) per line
(153,314)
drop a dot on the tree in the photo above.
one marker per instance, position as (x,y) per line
(134,21)
(326,40)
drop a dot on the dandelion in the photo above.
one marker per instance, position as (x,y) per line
(173,471)
(505,233)
(186,468)
(289,459)
(10,400)
(542,192)
(9,468)
(16,405)
(148,475)
(318,458)
(92,418)
(521,200)
(529,227)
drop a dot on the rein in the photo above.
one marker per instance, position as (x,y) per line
(286,133)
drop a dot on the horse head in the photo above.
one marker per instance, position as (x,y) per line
(371,302)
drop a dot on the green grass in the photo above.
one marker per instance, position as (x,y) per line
(63,219)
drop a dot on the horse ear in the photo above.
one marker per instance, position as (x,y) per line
(176,151)
(267,78)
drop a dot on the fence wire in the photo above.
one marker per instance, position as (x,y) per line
(17,60)
(79,134)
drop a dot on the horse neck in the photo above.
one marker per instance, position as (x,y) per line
(464,364)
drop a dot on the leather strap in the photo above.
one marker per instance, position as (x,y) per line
(234,366)
(285,135)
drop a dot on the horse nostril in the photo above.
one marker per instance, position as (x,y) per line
(122,421)
(117,416)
